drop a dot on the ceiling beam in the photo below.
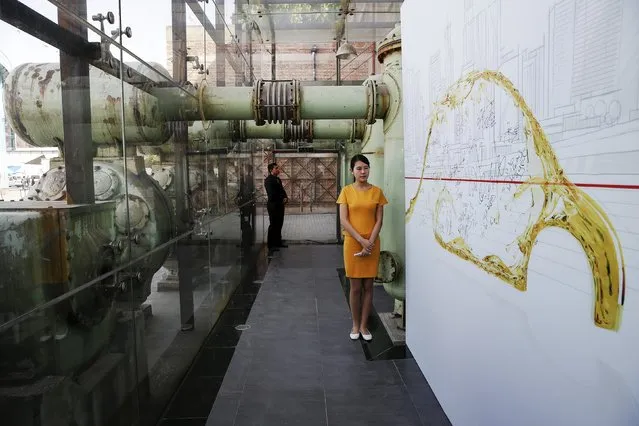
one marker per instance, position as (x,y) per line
(216,35)
(31,22)
(204,20)
(288,26)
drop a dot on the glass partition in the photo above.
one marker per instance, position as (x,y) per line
(127,217)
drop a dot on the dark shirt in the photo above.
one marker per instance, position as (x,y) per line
(274,189)
(246,192)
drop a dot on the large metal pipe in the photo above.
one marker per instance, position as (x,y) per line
(278,101)
(219,134)
(33,106)
(326,102)
(306,131)
(373,148)
(393,234)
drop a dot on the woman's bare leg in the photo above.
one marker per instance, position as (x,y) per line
(354,300)
(367,303)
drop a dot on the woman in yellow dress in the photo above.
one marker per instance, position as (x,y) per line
(361,213)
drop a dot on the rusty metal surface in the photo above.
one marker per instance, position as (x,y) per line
(389,268)
(49,248)
(150,214)
(390,43)
(32,100)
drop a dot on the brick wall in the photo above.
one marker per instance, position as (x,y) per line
(293,60)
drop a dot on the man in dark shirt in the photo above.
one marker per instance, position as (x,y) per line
(277,198)
(245,200)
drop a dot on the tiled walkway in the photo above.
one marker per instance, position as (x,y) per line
(311,227)
(295,365)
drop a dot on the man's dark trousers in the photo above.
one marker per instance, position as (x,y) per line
(276,221)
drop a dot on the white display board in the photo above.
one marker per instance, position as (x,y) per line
(521,127)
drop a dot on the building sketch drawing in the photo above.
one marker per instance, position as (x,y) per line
(509,127)
(551,199)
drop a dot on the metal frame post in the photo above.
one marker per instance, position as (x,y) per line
(76,114)
(180,138)
(220,46)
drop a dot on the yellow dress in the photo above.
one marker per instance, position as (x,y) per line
(362,206)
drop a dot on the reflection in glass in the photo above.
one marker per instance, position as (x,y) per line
(98,294)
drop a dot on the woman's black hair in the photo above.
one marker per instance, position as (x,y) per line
(359,157)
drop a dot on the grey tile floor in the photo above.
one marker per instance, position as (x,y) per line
(295,365)
(160,330)
(313,227)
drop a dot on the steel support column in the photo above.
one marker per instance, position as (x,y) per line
(76,114)
(180,138)
(31,22)
(220,46)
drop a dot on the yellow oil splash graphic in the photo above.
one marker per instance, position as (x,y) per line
(564,206)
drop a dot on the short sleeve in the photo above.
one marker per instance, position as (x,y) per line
(342,199)
(382,200)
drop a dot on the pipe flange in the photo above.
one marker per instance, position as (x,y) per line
(307,126)
(296,113)
(287,133)
(390,43)
(53,185)
(351,137)
(243,137)
(389,267)
(358,130)
(371,93)
(257,105)
(164,177)
(138,213)
(237,130)
(107,182)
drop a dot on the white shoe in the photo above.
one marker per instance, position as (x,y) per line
(354,336)
(367,336)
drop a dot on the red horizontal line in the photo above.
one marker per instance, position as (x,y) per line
(521,182)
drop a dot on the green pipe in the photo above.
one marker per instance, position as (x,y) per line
(338,129)
(33,107)
(315,130)
(226,103)
(373,149)
(219,134)
(238,103)
(393,233)
(326,102)
(34,112)
(267,131)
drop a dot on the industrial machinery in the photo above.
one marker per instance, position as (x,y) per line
(143,218)
(51,246)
